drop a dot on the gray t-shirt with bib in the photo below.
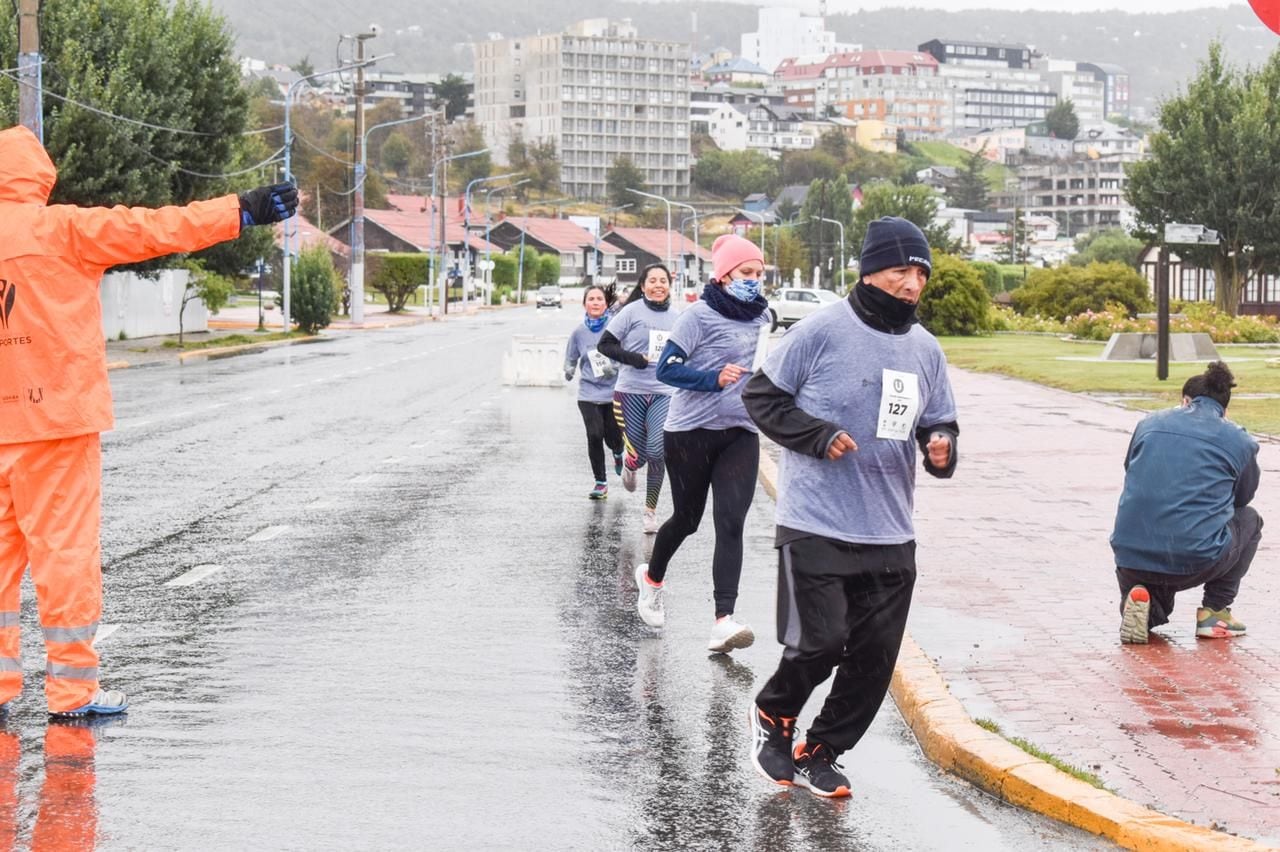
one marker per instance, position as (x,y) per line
(712,340)
(639,328)
(878,387)
(596,373)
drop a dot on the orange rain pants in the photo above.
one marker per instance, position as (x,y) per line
(67,819)
(50,513)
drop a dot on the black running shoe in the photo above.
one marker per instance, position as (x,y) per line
(816,768)
(771,746)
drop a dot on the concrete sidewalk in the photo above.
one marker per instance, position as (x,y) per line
(1017,605)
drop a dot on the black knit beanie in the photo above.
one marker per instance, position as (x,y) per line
(892,241)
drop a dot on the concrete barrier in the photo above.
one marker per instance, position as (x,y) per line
(534,361)
(1139,345)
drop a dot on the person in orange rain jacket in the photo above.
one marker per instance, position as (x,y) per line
(55,398)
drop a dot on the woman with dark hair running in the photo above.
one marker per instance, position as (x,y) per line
(595,387)
(712,445)
(635,338)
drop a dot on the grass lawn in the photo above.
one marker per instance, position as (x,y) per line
(1039,358)
(190,345)
(946,154)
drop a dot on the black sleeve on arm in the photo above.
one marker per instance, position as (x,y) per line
(776,413)
(952,430)
(1247,484)
(610,347)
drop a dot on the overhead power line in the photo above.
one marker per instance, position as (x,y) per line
(102,112)
(274,158)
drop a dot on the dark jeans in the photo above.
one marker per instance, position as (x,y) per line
(723,462)
(840,606)
(601,429)
(1221,580)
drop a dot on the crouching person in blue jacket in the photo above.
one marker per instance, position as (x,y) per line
(1184,518)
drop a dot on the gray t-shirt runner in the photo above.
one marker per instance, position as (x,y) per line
(878,387)
(640,328)
(712,340)
(581,353)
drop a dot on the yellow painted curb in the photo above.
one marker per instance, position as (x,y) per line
(244,347)
(952,740)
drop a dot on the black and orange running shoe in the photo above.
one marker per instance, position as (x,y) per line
(816,769)
(771,745)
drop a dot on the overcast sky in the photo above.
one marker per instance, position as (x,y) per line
(811,6)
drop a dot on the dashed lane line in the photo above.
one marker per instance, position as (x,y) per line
(195,575)
(268,533)
(104,632)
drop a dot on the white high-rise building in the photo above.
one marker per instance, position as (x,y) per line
(784,32)
(600,93)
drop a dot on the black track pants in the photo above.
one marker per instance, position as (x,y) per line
(601,429)
(840,606)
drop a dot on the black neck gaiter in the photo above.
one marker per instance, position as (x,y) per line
(880,310)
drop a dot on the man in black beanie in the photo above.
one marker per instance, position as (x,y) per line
(845,539)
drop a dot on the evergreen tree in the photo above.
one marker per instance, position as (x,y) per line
(1062,120)
(620,177)
(968,189)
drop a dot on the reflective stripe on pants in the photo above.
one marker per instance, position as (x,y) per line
(50,495)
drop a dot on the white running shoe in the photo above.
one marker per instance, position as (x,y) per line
(649,604)
(728,635)
(628,478)
(650,521)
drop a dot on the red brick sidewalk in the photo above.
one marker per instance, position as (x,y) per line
(1017,604)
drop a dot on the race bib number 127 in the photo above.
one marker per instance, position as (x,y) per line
(899,405)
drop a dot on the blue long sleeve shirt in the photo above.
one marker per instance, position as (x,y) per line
(1186,472)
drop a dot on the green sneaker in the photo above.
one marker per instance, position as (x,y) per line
(1134,627)
(1217,624)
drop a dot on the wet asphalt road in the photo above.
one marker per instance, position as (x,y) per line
(359,600)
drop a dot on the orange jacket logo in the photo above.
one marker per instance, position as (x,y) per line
(8,292)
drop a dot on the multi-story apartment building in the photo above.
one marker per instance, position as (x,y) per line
(760,127)
(992,85)
(600,92)
(784,32)
(900,88)
(706,99)
(1081,194)
(1115,83)
(1085,91)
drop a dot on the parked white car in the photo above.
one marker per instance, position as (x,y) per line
(789,305)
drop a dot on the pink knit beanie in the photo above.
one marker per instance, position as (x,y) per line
(729,252)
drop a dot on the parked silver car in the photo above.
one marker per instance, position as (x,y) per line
(789,305)
(549,296)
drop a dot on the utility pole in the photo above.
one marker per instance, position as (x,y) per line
(443,191)
(30,100)
(357,216)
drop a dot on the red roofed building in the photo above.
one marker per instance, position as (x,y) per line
(899,87)
(303,234)
(643,246)
(576,247)
(400,231)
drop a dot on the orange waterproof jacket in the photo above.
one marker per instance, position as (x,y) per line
(53,365)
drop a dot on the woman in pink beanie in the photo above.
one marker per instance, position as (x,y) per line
(711,444)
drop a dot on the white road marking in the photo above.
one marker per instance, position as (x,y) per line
(267,533)
(362,479)
(104,631)
(322,503)
(393,460)
(195,575)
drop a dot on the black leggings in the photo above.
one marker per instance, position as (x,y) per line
(601,429)
(724,461)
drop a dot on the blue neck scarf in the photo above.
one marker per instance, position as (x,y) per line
(729,307)
(594,325)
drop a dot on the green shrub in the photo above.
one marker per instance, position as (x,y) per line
(991,278)
(1011,281)
(397,277)
(1198,317)
(955,302)
(504,270)
(548,269)
(312,290)
(1066,291)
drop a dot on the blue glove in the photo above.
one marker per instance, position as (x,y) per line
(268,204)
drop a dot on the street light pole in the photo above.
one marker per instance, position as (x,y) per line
(466,227)
(604,213)
(488,229)
(668,203)
(357,216)
(357,219)
(30,72)
(839,225)
(286,272)
(444,240)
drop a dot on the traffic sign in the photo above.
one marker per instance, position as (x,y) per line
(1179,234)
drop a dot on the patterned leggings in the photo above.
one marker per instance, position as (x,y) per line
(642,417)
